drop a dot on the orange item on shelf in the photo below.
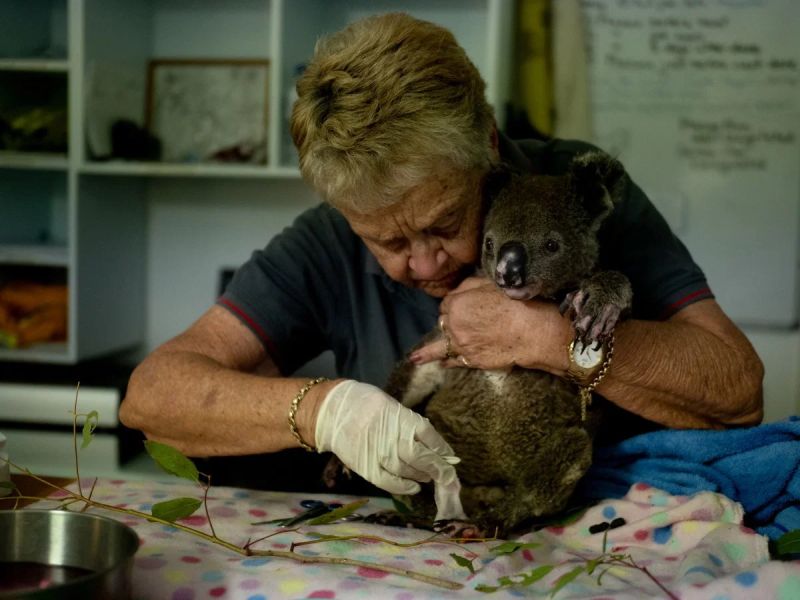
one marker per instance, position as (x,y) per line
(26,296)
(32,312)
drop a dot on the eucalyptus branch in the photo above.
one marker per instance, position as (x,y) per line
(249,542)
(91,491)
(434,539)
(75,436)
(627,561)
(246,550)
(206,487)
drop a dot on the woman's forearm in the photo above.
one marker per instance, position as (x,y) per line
(194,403)
(696,370)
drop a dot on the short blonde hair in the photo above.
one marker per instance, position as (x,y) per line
(382,103)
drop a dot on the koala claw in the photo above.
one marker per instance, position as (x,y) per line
(573,303)
(597,328)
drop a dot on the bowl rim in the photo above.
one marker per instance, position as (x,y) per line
(81,515)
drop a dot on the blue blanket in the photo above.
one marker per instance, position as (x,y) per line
(759,467)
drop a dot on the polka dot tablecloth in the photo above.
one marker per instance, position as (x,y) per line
(687,546)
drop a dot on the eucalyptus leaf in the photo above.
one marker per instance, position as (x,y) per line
(172,510)
(322,536)
(537,574)
(520,579)
(89,425)
(788,543)
(510,547)
(338,513)
(592,564)
(463,561)
(566,579)
(172,461)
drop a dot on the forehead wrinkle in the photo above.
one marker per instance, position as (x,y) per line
(415,215)
(416,212)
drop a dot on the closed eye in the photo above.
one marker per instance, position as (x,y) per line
(391,244)
(447,227)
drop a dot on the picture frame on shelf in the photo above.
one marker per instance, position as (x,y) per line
(209,110)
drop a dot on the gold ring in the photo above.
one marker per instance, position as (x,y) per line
(448,347)
(464,361)
(441,325)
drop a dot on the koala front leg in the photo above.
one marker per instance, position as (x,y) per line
(597,305)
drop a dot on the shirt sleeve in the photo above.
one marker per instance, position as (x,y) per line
(284,292)
(637,241)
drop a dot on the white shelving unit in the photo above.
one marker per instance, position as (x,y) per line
(84,220)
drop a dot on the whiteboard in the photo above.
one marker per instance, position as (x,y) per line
(700,99)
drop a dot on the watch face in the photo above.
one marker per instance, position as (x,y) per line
(587,357)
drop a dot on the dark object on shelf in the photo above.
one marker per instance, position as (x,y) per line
(131,142)
(241,153)
(5,130)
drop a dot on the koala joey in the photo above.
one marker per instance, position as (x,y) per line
(519,434)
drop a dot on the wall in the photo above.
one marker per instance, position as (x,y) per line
(780,351)
(699,101)
(198,227)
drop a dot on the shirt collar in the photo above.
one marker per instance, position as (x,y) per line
(511,153)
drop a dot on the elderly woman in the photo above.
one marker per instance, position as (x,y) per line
(394,132)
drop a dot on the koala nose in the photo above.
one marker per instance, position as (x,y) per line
(510,269)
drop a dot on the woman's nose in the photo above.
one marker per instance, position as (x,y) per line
(426,258)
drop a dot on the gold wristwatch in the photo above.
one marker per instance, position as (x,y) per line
(587,366)
(585,361)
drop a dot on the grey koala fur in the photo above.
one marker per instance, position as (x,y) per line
(519,434)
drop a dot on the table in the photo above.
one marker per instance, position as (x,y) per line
(695,545)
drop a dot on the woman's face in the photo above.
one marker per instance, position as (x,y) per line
(430,239)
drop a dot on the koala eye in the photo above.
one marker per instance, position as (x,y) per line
(551,246)
(488,245)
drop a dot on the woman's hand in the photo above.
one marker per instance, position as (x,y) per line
(388,444)
(488,330)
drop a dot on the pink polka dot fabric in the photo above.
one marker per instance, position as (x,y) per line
(695,546)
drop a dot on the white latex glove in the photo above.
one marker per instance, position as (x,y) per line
(388,444)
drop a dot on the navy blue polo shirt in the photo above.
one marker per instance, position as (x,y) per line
(316,286)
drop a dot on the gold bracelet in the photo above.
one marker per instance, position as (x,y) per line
(586,391)
(293,411)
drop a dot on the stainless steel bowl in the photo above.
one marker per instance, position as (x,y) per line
(64,555)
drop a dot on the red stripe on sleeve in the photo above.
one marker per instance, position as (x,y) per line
(255,326)
(688,299)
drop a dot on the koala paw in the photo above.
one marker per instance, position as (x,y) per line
(334,471)
(456,528)
(593,316)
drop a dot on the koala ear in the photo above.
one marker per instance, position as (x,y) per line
(496,179)
(599,180)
